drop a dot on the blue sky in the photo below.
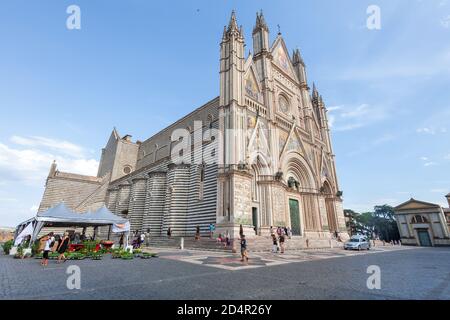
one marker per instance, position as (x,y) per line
(140,65)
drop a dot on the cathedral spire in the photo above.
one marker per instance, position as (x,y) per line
(299,67)
(315,93)
(297,57)
(260,23)
(260,35)
(232,25)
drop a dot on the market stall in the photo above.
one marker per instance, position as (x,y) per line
(61,216)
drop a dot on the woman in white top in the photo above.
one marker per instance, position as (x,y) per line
(47,248)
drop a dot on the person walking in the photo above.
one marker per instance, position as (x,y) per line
(282,239)
(274,243)
(147,238)
(169,232)
(227,239)
(47,248)
(62,247)
(142,238)
(244,253)
(211,230)
(197,233)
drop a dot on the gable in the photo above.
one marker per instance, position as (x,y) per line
(416,204)
(281,57)
(251,83)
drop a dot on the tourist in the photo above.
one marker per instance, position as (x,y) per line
(282,242)
(142,239)
(169,232)
(219,238)
(227,238)
(274,243)
(211,230)
(285,231)
(55,243)
(197,233)
(244,253)
(147,238)
(62,247)
(289,233)
(47,248)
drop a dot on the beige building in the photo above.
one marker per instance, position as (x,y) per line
(423,224)
(257,155)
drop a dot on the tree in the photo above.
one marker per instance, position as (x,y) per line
(379,223)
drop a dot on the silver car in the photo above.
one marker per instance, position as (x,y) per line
(357,243)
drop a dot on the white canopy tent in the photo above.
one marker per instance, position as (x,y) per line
(61,216)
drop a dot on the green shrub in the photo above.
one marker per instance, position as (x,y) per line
(90,245)
(127,256)
(7,246)
(35,248)
(75,256)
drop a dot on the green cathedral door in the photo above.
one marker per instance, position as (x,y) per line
(295,217)
(424,238)
(255,217)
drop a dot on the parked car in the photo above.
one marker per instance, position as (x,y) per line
(357,243)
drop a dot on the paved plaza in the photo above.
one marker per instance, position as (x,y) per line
(406,273)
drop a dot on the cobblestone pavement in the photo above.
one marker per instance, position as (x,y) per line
(233,262)
(406,273)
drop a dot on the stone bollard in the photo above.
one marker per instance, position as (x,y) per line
(182,243)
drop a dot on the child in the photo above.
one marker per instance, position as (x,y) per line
(244,254)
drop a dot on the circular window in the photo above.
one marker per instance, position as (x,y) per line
(283,104)
(127,169)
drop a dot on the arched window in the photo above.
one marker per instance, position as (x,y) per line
(419,219)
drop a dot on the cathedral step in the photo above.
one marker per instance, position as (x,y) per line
(259,244)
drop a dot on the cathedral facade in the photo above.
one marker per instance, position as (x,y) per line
(259,155)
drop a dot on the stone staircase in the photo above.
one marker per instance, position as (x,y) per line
(258,244)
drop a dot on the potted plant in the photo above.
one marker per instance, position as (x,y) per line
(7,246)
(19,254)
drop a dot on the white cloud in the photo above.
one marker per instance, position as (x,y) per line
(432,130)
(346,118)
(34,208)
(430,164)
(424,158)
(29,160)
(447,157)
(61,146)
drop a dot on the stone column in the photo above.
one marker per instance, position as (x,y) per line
(176,200)
(112,199)
(137,203)
(123,199)
(155,201)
